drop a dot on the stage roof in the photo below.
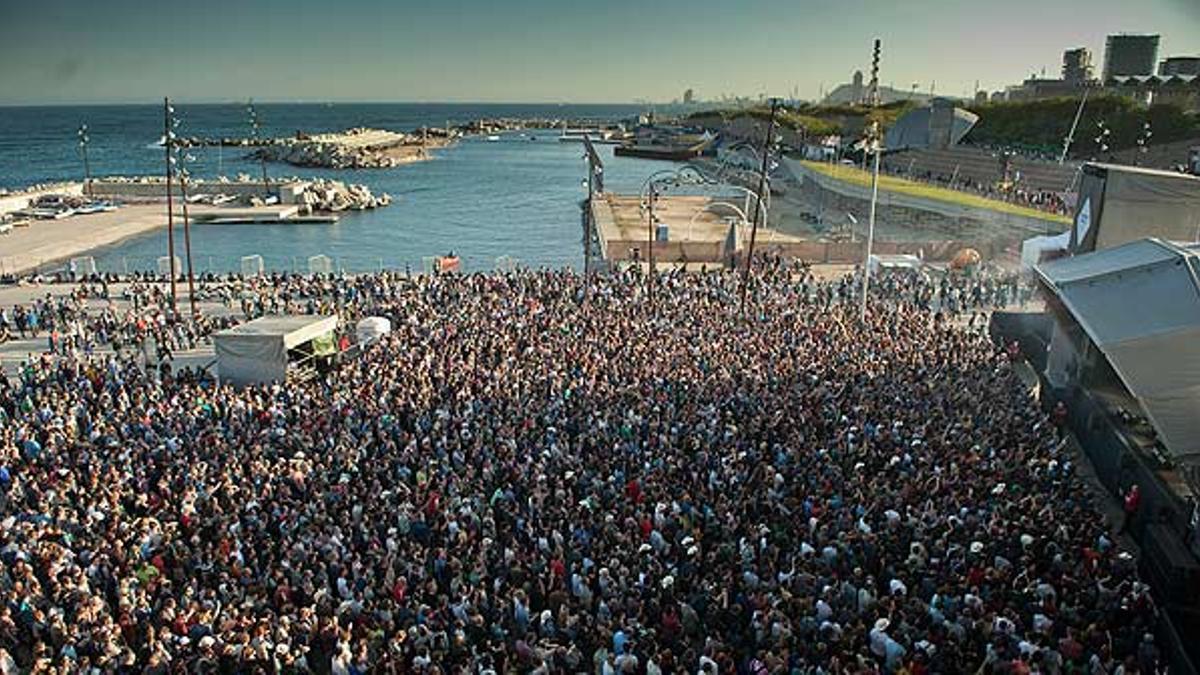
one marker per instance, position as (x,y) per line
(1140,304)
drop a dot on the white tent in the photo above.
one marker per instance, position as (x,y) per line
(1140,304)
(883,262)
(257,351)
(371,329)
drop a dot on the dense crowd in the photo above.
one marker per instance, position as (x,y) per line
(534,473)
(1049,201)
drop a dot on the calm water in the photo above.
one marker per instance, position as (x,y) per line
(483,200)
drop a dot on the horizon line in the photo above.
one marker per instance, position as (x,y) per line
(320,102)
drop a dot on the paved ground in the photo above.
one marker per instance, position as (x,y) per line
(15,351)
(45,241)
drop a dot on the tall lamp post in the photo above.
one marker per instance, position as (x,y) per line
(875,145)
(169,145)
(179,160)
(684,175)
(87,169)
(762,186)
(255,127)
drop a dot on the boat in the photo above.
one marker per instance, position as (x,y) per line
(493,138)
(48,212)
(666,144)
(95,207)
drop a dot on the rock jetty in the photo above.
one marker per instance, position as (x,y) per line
(357,148)
(333,196)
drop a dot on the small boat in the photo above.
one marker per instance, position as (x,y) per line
(48,213)
(493,138)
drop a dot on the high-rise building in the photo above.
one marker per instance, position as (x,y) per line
(1128,54)
(1077,65)
(1179,65)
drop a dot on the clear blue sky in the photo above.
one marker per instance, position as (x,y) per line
(71,51)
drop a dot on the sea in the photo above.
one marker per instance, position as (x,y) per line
(515,200)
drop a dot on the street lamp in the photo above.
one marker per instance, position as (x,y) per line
(182,159)
(255,127)
(875,144)
(87,170)
(169,124)
(762,187)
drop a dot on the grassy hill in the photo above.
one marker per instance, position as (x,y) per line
(817,120)
(862,178)
(1042,125)
(1033,125)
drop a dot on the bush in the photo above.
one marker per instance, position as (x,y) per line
(1042,125)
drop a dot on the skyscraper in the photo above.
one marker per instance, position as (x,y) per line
(1077,65)
(1127,54)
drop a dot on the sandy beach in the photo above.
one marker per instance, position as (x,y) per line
(25,249)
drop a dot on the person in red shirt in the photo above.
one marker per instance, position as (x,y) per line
(1133,500)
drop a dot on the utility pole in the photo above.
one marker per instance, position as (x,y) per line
(762,187)
(169,144)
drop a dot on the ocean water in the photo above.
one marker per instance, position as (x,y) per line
(515,197)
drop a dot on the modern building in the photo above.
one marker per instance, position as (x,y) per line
(939,125)
(1035,88)
(1077,66)
(1179,65)
(1129,54)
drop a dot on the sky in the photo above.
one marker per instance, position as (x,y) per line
(127,51)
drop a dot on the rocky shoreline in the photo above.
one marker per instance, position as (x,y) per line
(366,148)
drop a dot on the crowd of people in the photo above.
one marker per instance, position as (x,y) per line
(538,472)
(1049,201)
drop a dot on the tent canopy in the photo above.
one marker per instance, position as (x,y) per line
(256,351)
(1140,304)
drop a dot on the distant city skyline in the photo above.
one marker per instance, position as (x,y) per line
(537,51)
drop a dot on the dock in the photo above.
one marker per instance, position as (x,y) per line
(689,229)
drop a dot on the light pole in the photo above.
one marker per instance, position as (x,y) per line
(1074,125)
(181,157)
(168,145)
(255,126)
(875,145)
(762,186)
(649,192)
(87,169)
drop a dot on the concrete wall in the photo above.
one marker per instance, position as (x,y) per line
(922,213)
(114,189)
(820,252)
